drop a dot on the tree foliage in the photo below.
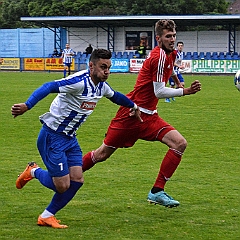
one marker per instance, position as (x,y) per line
(12,10)
(171,7)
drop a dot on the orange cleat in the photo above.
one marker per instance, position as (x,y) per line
(50,222)
(25,176)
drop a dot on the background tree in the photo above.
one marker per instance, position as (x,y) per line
(38,8)
(203,7)
(171,7)
(12,10)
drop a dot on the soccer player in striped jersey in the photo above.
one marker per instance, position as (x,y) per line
(124,130)
(177,66)
(67,56)
(77,97)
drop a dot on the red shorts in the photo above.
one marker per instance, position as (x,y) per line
(124,131)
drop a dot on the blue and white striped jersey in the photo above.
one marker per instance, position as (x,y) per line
(67,57)
(178,61)
(76,101)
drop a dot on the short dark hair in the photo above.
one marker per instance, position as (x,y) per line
(180,43)
(164,24)
(100,53)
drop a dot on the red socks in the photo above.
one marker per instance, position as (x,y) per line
(88,161)
(168,167)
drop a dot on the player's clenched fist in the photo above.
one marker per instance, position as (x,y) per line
(18,109)
(195,87)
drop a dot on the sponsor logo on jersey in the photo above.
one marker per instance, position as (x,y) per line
(88,105)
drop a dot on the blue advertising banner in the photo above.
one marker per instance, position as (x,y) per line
(119,65)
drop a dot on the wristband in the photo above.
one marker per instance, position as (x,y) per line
(135,107)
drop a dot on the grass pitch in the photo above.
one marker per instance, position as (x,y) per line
(112,203)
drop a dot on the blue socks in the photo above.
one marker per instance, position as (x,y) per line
(60,200)
(44,178)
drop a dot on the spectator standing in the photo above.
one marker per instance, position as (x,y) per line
(177,66)
(89,49)
(143,45)
(141,50)
(67,56)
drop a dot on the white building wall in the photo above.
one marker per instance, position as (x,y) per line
(119,39)
(212,41)
(79,38)
(237,44)
(102,37)
(189,39)
(204,41)
(194,41)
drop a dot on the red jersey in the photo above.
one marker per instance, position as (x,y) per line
(157,67)
(124,130)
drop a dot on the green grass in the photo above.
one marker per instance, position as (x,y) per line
(112,203)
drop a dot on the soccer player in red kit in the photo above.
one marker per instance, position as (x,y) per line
(125,130)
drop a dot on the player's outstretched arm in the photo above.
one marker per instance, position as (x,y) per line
(122,100)
(36,96)
(18,109)
(161,91)
(195,87)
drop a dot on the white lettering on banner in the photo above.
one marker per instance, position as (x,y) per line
(214,66)
(6,61)
(120,63)
(187,64)
(232,66)
(88,105)
(136,64)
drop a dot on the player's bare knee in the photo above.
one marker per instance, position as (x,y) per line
(81,180)
(61,184)
(182,144)
(62,188)
(78,179)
